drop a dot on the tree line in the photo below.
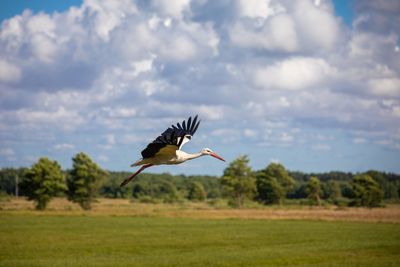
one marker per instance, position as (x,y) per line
(238,184)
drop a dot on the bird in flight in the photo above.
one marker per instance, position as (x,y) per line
(166,148)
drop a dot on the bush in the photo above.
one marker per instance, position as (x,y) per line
(196,192)
(366,191)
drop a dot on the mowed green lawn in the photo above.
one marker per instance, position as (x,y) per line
(50,240)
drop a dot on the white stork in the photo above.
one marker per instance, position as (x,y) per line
(166,148)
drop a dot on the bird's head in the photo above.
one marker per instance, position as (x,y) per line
(207,151)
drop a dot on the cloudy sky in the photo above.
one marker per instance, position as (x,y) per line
(314,85)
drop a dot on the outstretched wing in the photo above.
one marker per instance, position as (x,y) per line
(177,135)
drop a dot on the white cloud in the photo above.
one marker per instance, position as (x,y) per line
(7,152)
(60,118)
(174,8)
(278,34)
(9,72)
(277,161)
(321,147)
(252,70)
(257,8)
(396,111)
(293,74)
(210,112)
(225,135)
(120,112)
(181,48)
(103,158)
(142,66)
(63,146)
(110,139)
(107,15)
(360,140)
(43,48)
(287,26)
(284,102)
(41,24)
(317,26)
(389,87)
(249,133)
(286,137)
(283,34)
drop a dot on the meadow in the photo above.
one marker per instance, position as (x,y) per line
(120,233)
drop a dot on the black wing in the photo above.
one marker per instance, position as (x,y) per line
(175,135)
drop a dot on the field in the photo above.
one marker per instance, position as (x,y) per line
(119,233)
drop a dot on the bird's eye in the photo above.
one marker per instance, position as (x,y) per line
(188,137)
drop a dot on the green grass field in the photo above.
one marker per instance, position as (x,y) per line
(78,240)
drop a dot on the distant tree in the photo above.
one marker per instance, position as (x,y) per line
(155,187)
(393,190)
(167,192)
(111,187)
(43,181)
(313,190)
(274,183)
(84,180)
(298,192)
(140,189)
(196,192)
(346,190)
(366,191)
(331,190)
(238,181)
(269,190)
(7,180)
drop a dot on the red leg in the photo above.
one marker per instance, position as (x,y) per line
(127,180)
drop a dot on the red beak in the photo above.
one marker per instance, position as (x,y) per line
(216,156)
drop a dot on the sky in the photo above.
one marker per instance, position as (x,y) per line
(311,84)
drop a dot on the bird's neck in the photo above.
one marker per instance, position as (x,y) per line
(189,156)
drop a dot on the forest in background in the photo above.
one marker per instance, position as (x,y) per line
(238,185)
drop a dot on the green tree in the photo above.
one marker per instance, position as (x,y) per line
(196,192)
(366,191)
(167,191)
(84,180)
(238,180)
(268,188)
(43,181)
(111,187)
(8,178)
(313,190)
(331,190)
(274,183)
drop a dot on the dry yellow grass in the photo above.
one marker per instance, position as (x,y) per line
(123,207)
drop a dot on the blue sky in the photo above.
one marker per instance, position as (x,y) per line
(312,84)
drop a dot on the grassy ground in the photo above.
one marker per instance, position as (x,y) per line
(159,235)
(29,240)
(123,207)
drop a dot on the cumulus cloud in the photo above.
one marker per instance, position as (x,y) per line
(174,8)
(255,9)
(285,26)
(317,26)
(9,72)
(106,74)
(389,87)
(277,34)
(294,74)
(380,16)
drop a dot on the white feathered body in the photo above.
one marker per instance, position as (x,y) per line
(168,155)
